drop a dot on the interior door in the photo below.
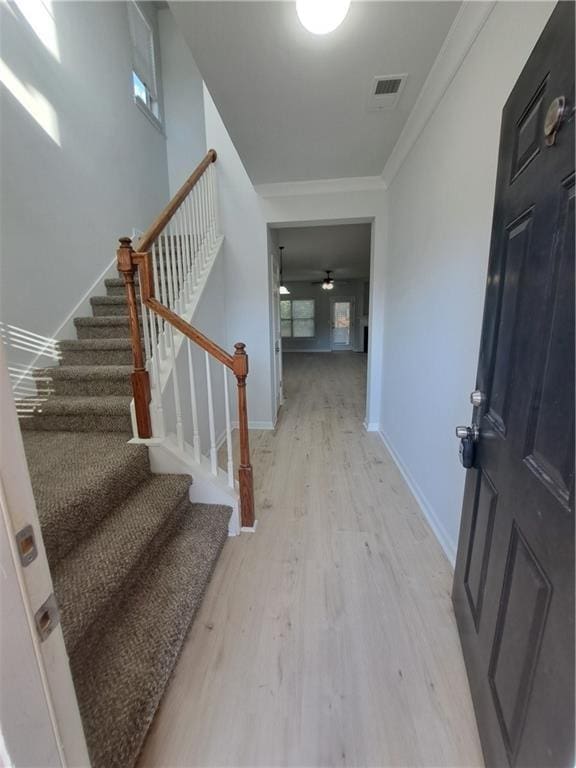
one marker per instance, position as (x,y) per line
(276,330)
(514,579)
(342,311)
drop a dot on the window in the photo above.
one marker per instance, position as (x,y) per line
(143,61)
(297,318)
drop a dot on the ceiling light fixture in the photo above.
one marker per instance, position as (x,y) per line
(322,16)
(283,290)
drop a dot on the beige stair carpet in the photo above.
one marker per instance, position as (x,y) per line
(130,555)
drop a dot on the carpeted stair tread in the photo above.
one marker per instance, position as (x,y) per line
(95,572)
(105,327)
(78,478)
(101,321)
(108,300)
(71,372)
(111,306)
(87,380)
(80,352)
(81,414)
(120,675)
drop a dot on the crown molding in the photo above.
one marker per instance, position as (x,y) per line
(321,186)
(465,28)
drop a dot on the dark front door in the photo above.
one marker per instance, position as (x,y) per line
(514,579)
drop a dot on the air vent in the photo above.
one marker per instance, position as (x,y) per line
(388,86)
(385,91)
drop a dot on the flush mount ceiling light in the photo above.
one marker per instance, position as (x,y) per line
(322,16)
(283,290)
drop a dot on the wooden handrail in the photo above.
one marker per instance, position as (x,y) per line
(128,262)
(151,235)
(190,332)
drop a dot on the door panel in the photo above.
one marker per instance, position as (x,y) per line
(514,578)
(342,323)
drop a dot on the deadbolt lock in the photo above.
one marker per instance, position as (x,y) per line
(477,398)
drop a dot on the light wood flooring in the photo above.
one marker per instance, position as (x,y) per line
(327,638)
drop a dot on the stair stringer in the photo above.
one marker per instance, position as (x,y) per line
(166,457)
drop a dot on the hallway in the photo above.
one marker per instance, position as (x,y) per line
(327,637)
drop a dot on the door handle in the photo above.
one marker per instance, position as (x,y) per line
(468,437)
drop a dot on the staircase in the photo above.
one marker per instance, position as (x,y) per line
(130,555)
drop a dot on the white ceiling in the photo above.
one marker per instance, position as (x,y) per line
(310,251)
(294,103)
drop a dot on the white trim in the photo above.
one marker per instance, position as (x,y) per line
(264,425)
(465,28)
(82,307)
(249,528)
(448,546)
(77,309)
(289,351)
(321,186)
(371,426)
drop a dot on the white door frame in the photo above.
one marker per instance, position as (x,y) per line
(275,334)
(41,725)
(339,300)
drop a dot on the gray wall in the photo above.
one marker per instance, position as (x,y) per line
(183,103)
(440,213)
(321,341)
(80,163)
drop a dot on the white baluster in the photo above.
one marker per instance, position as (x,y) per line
(177,403)
(190,241)
(159,277)
(186,251)
(195,427)
(202,193)
(213,456)
(177,266)
(212,206)
(179,261)
(196,222)
(214,181)
(168,269)
(173,272)
(145,328)
(208,225)
(156,390)
(230,463)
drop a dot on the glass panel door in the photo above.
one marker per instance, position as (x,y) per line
(341,324)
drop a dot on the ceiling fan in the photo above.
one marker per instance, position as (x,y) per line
(328,282)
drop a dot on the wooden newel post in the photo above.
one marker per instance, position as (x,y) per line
(245,469)
(140,377)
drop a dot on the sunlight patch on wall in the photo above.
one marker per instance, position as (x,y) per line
(31,385)
(37,105)
(40,16)
(19,338)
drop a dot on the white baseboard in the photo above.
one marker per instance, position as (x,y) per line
(371,426)
(431,516)
(267,425)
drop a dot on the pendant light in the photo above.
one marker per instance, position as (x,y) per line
(283,290)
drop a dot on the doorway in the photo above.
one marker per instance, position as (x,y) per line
(343,324)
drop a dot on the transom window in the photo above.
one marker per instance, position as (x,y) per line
(143,60)
(297,318)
